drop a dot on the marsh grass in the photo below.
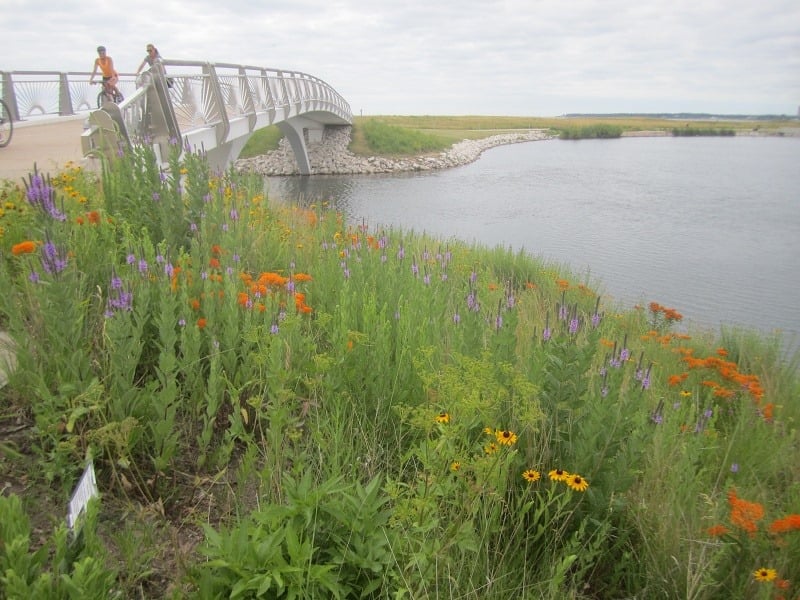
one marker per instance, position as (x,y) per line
(394,135)
(279,403)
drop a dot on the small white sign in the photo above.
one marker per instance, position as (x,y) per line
(84,491)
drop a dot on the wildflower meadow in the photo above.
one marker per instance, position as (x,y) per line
(278,403)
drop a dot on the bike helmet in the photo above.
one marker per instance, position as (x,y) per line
(101,48)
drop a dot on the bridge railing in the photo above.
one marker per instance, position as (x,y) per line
(207,94)
(202,93)
(35,94)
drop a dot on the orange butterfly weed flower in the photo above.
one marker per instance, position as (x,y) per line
(216,250)
(26,247)
(243,299)
(214,263)
(202,322)
(194,303)
(93,216)
(744,514)
(717,530)
(788,523)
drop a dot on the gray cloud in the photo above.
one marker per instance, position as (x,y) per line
(514,57)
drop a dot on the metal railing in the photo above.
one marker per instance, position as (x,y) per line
(36,94)
(202,93)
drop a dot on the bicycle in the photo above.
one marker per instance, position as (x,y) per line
(6,125)
(109,94)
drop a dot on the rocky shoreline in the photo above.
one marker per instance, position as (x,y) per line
(331,156)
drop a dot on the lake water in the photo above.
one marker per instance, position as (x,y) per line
(708,226)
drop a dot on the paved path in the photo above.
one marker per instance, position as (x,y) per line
(50,144)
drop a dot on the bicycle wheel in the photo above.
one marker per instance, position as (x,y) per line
(101,98)
(6,125)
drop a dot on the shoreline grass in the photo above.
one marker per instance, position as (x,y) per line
(279,403)
(404,135)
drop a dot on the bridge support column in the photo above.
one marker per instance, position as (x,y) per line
(299,130)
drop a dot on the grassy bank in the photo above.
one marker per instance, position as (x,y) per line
(282,404)
(409,135)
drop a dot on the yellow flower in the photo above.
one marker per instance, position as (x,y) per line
(686,393)
(558,475)
(507,438)
(764,574)
(443,417)
(577,483)
(455,466)
(531,475)
(488,431)
(490,448)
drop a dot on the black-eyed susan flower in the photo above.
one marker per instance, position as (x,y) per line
(531,475)
(577,483)
(455,466)
(505,437)
(764,574)
(488,431)
(491,448)
(443,417)
(558,475)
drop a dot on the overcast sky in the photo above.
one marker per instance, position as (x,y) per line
(451,57)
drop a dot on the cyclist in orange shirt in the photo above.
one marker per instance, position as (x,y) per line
(105,64)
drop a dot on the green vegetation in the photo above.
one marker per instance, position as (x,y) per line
(393,135)
(599,131)
(281,404)
(392,140)
(697,131)
(262,141)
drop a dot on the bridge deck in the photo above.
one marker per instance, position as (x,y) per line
(50,143)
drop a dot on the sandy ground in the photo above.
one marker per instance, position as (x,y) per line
(50,144)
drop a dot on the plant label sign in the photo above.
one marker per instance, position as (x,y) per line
(84,491)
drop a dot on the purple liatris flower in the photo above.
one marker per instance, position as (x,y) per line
(53,259)
(42,195)
(573,325)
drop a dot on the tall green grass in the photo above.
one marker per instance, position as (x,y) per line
(279,403)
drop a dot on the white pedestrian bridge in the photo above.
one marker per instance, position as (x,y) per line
(202,106)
